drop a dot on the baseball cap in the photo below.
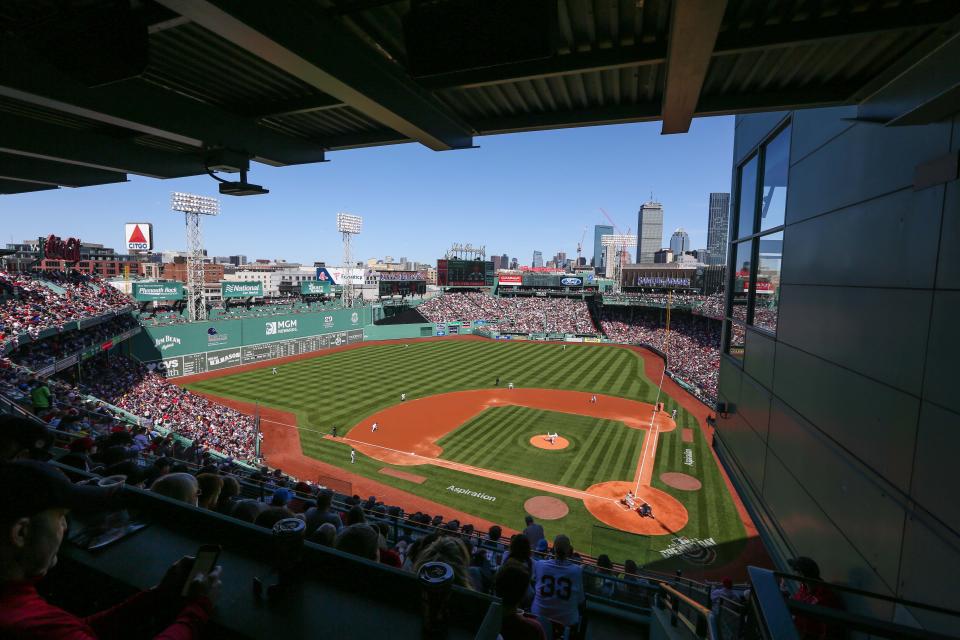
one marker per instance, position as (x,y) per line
(30,487)
(805,566)
(25,434)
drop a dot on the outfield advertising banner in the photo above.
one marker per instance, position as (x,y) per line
(315,288)
(241,290)
(188,365)
(186,349)
(153,291)
(510,280)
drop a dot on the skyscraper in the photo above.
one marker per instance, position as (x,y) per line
(599,231)
(537,259)
(717,228)
(679,242)
(649,231)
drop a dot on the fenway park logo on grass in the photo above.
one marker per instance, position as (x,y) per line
(693,550)
(474,494)
(281,326)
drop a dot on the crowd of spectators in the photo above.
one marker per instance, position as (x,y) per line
(693,351)
(48,350)
(512,315)
(141,390)
(30,303)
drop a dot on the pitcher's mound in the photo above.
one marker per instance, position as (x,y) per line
(680,481)
(546,508)
(541,442)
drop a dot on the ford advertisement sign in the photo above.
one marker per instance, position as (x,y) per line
(571,282)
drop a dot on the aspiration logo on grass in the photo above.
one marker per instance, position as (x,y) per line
(467,492)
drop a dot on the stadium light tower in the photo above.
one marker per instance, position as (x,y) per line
(616,246)
(348,225)
(192,207)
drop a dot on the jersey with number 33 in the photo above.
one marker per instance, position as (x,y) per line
(558,590)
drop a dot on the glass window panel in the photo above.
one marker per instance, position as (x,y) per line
(735,338)
(773,198)
(747,197)
(766,301)
(740,281)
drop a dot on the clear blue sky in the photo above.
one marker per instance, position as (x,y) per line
(514,194)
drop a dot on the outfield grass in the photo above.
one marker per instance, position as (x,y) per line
(341,388)
(499,439)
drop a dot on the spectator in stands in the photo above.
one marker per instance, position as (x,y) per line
(810,628)
(247,510)
(40,397)
(360,540)
(179,486)
(301,500)
(210,485)
(271,516)
(33,516)
(320,514)
(79,455)
(451,551)
(22,438)
(512,583)
(558,588)
(480,571)
(605,586)
(533,532)
(325,535)
(228,494)
(725,590)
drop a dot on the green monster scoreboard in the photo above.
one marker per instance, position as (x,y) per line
(465,273)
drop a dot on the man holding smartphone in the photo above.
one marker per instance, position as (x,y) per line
(37,498)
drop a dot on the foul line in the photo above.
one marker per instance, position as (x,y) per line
(520,481)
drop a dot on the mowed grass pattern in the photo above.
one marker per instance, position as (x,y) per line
(342,388)
(499,439)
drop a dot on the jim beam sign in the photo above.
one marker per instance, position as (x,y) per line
(138,236)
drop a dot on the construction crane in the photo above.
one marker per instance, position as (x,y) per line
(580,244)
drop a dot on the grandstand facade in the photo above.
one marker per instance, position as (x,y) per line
(837,401)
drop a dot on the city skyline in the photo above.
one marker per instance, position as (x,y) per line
(514,194)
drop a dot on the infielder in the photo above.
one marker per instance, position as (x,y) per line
(403,397)
(593,399)
(510,385)
(334,432)
(673,414)
(374,427)
(353,456)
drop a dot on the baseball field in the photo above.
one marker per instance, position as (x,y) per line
(464,445)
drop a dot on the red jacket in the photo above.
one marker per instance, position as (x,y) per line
(24,614)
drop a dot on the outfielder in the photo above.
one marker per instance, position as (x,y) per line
(673,414)
(274,371)
(353,456)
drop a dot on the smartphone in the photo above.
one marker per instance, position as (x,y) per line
(205,561)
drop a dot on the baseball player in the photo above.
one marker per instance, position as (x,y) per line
(509,385)
(630,501)
(274,371)
(334,431)
(593,399)
(553,438)
(403,397)
(673,414)
(564,348)
(374,427)
(353,456)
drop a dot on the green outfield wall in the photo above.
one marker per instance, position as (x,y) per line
(198,347)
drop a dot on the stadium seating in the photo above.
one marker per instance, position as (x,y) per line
(33,304)
(693,350)
(512,315)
